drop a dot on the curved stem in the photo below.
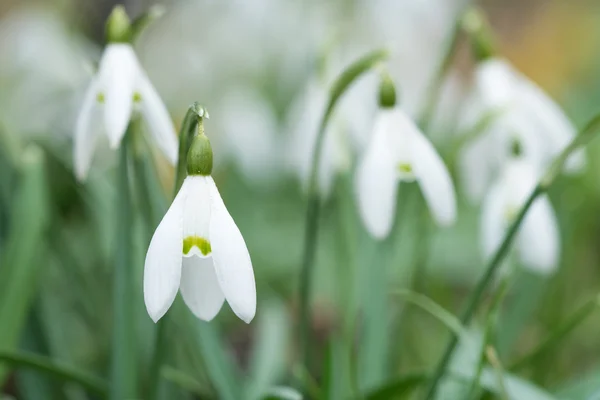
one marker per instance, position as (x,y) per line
(313,208)
(67,373)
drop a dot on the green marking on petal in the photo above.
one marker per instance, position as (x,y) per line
(137,97)
(405,168)
(202,244)
(100,98)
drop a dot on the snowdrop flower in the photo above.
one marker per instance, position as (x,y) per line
(537,242)
(248,135)
(198,249)
(399,151)
(304,119)
(520,105)
(120,87)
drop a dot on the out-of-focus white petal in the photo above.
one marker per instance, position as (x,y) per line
(85,134)
(200,288)
(162,269)
(495,82)
(539,243)
(475,168)
(250,128)
(433,177)
(376,180)
(232,260)
(493,221)
(158,118)
(117,74)
(554,127)
(197,211)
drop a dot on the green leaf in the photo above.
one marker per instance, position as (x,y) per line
(268,357)
(22,257)
(434,309)
(124,342)
(55,369)
(400,388)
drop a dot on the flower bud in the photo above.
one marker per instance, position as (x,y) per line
(476,27)
(387,92)
(200,155)
(118,26)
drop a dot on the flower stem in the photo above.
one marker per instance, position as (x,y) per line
(186,133)
(124,361)
(313,207)
(584,136)
(64,372)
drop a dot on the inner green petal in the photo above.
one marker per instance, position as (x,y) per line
(405,168)
(202,244)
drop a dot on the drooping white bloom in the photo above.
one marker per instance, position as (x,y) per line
(248,136)
(399,151)
(199,250)
(120,86)
(304,119)
(519,106)
(537,242)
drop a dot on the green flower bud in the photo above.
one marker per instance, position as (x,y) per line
(387,92)
(118,26)
(476,27)
(200,155)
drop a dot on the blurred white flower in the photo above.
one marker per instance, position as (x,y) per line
(303,124)
(43,66)
(514,105)
(199,250)
(398,151)
(537,242)
(247,131)
(120,86)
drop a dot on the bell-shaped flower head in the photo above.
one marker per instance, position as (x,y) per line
(198,249)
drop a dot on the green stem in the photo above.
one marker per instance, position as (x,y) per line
(186,133)
(64,372)
(479,290)
(124,362)
(558,334)
(313,208)
(585,135)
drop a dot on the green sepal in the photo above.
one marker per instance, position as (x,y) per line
(200,155)
(118,26)
(480,35)
(387,92)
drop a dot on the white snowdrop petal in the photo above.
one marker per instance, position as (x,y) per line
(117,74)
(199,287)
(539,243)
(232,260)
(434,179)
(553,125)
(156,114)
(475,168)
(162,269)
(85,133)
(376,182)
(197,212)
(495,82)
(493,221)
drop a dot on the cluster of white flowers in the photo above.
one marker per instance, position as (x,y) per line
(198,248)
(525,130)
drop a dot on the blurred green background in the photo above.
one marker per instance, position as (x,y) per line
(247,63)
